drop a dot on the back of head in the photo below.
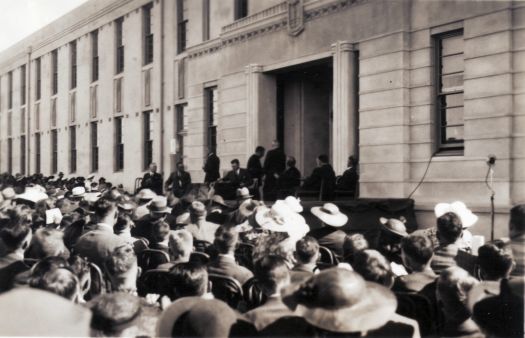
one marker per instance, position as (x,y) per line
(307,250)
(353,244)
(226,239)
(47,242)
(181,244)
(160,230)
(373,267)
(259,149)
(60,281)
(323,158)
(418,249)
(495,260)
(449,228)
(103,207)
(517,220)
(121,261)
(15,235)
(271,273)
(453,285)
(189,279)
(113,313)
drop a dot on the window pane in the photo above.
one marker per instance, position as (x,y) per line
(453,134)
(452,83)
(452,64)
(452,45)
(454,116)
(453,100)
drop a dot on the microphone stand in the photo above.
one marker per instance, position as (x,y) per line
(490,178)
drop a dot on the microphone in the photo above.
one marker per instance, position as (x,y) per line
(491,160)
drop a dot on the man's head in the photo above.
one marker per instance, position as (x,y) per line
(322,159)
(272,274)
(353,244)
(116,314)
(160,231)
(15,236)
(180,166)
(153,167)
(181,245)
(197,211)
(260,151)
(122,268)
(47,242)
(351,161)
(189,279)
(495,260)
(307,250)
(290,161)
(416,252)
(374,267)
(517,221)
(276,144)
(105,211)
(60,281)
(453,286)
(449,228)
(226,239)
(235,164)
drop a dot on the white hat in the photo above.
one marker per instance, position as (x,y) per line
(460,209)
(294,203)
(32,195)
(279,218)
(78,192)
(329,214)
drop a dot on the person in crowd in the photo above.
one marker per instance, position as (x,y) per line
(160,232)
(290,180)
(224,263)
(158,212)
(152,180)
(254,166)
(60,281)
(449,230)
(181,247)
(330,234)
(353,243)
(323,176)
(274,166)
(211,168)
(47,242)
(348,181)
(199,228)
(80,267)
(122,269)
(517,238)
(416,254)
(190,280)
(306,257)
(15,237)
(179,182)
(374,267)
(276,244)
(392,231)
(97,244)
(272,276)
(144,197)
(238,177)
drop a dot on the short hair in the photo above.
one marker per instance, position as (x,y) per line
(323,158)
(291,161)
(14,234)
(225,239)
(306,249)
(60,281)
(495,260)
(449,227)
(270,271)
(113,313)
(235,161)
(259,149)
(160,230)
(454,284)
(517,217)
(47,242)
(103,207)
(181,243)
(352,244)
(121,260)
(418,248)
(373,267)
(189,279)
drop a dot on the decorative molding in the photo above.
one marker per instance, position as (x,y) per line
(295,17)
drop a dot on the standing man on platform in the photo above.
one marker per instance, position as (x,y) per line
(274,165)
(152,180)
(179,181)
(211,168)
(255,168)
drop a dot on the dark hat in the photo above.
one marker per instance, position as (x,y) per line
(159,205)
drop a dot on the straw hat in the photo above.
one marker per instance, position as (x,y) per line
(243,193)
(8,193)
(329,214)
(78,192)
(146,194)
(159,205)
(460,209)
(394,226)
(32,195)
(279,218)
(294,203)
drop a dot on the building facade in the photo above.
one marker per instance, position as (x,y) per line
(413,88)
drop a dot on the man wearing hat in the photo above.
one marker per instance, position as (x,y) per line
(158,212)
(330,235)
(199,227)
(152,179)
(179,181)
(143,197)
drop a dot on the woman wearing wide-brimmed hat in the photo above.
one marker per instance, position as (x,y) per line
(330,234)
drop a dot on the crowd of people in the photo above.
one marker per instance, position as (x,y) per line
(82,257)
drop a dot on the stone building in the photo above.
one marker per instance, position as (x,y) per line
(114,85)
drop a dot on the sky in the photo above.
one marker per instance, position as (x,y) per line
(20,18)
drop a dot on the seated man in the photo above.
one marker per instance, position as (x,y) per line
(272,276)
(416,253)
(179,181)
(122,268)
(160,232)
(348,181)
(47,242)
(158,212)
(181,247)
(201,229)
(152,180)
(233,180)
(322,177)
(190,280)
(60,281)
(224,263)
(290,180)
(449,230)
(374,267)
(306,256)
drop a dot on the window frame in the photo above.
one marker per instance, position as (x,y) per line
(119,45)
(73,59)
(94,56)
(147,147)
(54,72)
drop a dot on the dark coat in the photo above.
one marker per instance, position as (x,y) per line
(254,167)
(275,162)
(211,168)
(290,178)
(348,181)
(323,174)
(243,179)
(330,237)
(414,282)
(180,182)
(153,182)
(224,265)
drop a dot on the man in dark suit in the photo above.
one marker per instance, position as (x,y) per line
(348,181)
(274,165)
(237,177)
(322,177)
(179,181)
(152,180)
(254,163)
(290,179)
(211,168)
(224,263)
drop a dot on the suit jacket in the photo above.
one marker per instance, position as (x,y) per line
(97,245)
(414,282)
(226,265)
(153,182)
(290,178)
(268,313)
(325,173)
(254,167)
(243,179)
(275,162)
(180,182)
(300,274)
(211,168)
(348,181)
(203,231)
(330,237)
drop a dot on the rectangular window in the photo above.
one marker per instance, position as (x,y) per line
(73,63)
(10,155)
(182,26)
(118,95)
(54,112)
(147,33)
(179,130)
(93,104)
(148,141)
(119,45)
(241,9)
(22,120)
(23,154)
(72,106)
(119,145)
(54,71)
(37,116)
(94,56)
(72,149)
(37,153)
(10,90)
(9,123)
(211,106)
(147,87)
(23,85)
(449,91)
(181,77)
(205,20)
(38,75)
(54,151)
(94,146)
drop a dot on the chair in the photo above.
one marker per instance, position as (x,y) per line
(98,285)
(419,308)
(253,295)
(226,288)
(327,258)
(155,281)
(243,255)
(199,257)
(150,259)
